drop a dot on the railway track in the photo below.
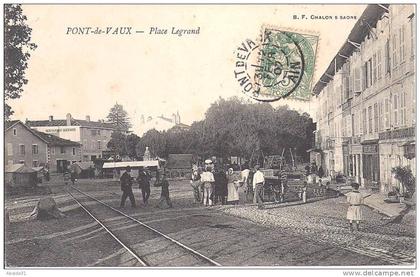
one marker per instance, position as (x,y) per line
(137,256)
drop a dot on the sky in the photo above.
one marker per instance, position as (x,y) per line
(154,74)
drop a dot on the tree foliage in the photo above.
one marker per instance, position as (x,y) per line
(404,175)
(122,144)
(236,128)
(119,117)
(17,47)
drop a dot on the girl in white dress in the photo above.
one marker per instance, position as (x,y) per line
(354,212)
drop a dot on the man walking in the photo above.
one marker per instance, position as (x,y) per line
(144,184)
(164,196)
(126,186)
(258,184)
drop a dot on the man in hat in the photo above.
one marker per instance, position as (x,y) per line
(143,180)
(164,195)
(126,182)
(258,184)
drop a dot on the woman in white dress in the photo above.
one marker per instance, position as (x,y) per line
(233,186)
(354,212)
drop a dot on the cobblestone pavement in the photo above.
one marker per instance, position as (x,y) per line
(312,234)
(324,221)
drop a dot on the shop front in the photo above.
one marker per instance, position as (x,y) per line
(371,171)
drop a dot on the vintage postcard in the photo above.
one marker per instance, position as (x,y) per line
(183,136)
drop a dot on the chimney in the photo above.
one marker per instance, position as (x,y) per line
(178,118)
(174,118)
(50,118)
(88,118)
(68,119)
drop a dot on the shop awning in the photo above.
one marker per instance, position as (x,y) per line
(133,164)
(314,150)
(411,142)
(370,141)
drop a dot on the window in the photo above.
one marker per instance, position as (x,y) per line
(375,117)
(368,72)
(379,64)
(364,122)
(394,51)
(374,65)
(93,132)
(14,132)
(346,80)
(348,126)
(403,113)
(357,83)
(402,44)
(85,144)
(34,163)
(21,149)
(62,150)
(9,149)
(370,119)
(381,114)
(395,105)
(35,149)
(412,32)
(387,58)
(356,124)
(53,150)
(74,151)
(387,114)
(22,162)
(99,145)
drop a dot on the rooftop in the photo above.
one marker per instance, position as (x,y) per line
(179,161)
(54,140)
(363,27)
(47,138)
(73,122)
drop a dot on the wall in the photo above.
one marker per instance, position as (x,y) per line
(55,154)
(93,143)
(66,132)
(25,137)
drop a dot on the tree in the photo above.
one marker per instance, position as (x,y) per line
(117,144)
(156,141)
(119,117)
(405,176)
(233,127)
(131,143)
(17,45)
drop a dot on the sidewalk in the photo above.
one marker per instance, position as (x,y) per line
(376,202)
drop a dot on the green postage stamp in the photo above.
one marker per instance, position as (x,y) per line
(280,65)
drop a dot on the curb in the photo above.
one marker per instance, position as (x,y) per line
(382,211)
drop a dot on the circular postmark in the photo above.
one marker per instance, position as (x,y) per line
(279,65)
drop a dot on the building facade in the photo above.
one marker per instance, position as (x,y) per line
(93,135)
(161,123)
(36,149)
(366,101)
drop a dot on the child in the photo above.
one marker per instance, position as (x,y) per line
(354,213)
(303,192)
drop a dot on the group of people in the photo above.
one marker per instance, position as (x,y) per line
(314,169)
(214,185)
(143,180)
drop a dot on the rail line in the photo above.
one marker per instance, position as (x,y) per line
(132,253)
(136,256)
